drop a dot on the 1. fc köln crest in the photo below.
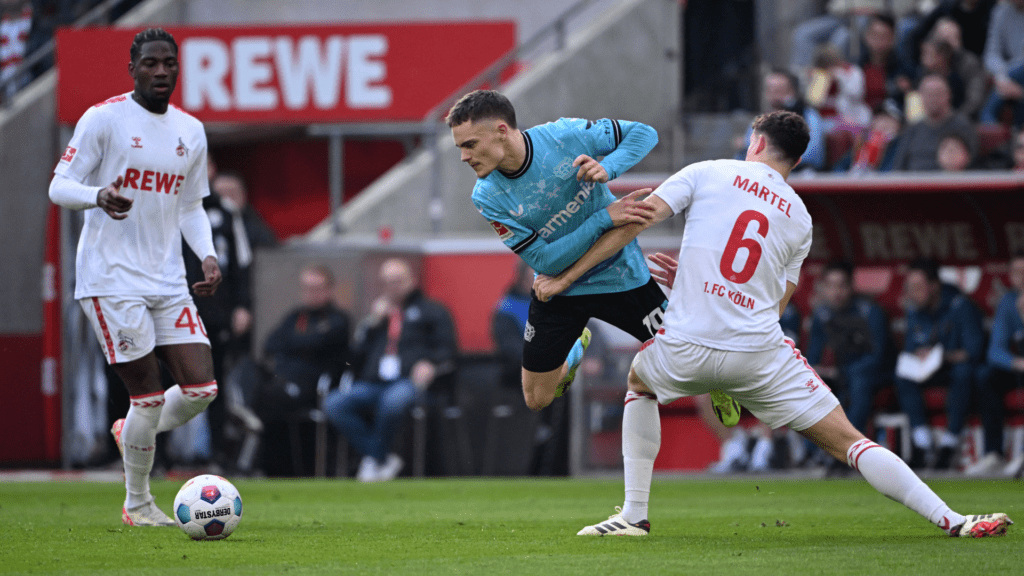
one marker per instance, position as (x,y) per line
(503,232)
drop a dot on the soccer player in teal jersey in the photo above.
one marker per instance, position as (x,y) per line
(545,194)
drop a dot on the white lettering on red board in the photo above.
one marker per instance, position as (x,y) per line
(256,73)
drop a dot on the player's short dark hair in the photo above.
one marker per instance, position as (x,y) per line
(926,266)
(150,35)
(482,105)
(839,266)
(1017,255)
(786,131)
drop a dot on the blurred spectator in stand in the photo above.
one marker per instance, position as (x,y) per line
(967,79)
(15,24)
(854,330)
(875,150)
(944,346)
(1004,59)
(405,343)
(884,78)
(248,224)
(834,28)
(836,88)
(954,155)
(1018,151)
(781,91)
(235,197)
(226,314)
(918,148)
(1004,371)
(309,343)
(508,324)
(228,183)
(970,18)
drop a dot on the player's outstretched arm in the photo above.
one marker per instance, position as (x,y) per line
(554,257)
(606,246)
(195,228)
(638,139)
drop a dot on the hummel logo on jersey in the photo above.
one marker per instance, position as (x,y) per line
(69,154)
(137,142)
(181,149)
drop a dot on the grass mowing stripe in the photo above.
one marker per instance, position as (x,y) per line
(508,526)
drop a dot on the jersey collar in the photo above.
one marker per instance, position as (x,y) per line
(526,163)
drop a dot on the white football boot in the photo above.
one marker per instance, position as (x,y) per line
(983,525)
(146,515)
(616,525)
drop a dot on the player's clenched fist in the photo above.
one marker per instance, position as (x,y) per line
(590,169)
(631,209)
(110,200)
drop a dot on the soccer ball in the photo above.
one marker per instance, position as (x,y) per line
(208,507)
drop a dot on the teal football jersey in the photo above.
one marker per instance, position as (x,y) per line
(550,219)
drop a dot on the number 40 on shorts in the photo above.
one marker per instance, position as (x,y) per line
(187,320)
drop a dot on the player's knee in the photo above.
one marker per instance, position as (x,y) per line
(536,400)
(635,384)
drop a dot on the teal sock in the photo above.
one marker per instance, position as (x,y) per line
(575,355)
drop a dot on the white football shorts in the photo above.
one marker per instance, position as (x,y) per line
(777,386)
(129,327)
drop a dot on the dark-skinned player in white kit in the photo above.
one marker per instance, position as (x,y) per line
(137,168)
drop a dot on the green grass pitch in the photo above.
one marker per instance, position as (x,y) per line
(736,527)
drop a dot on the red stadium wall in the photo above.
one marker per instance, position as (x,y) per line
(470,285)
(21,426)
(288,179)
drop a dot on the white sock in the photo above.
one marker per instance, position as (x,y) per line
(641,439)
(184,403)
(139,440)
(893,478)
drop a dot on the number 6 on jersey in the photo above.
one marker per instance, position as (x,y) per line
(737,241)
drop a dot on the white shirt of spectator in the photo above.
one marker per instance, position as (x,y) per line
(162,158)
(747,233)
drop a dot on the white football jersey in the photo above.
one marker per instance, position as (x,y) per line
(746,234)
(162,158)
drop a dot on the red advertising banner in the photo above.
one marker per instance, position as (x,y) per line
(291,74)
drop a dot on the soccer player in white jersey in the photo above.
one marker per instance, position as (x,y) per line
(746,236)
(137,167)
